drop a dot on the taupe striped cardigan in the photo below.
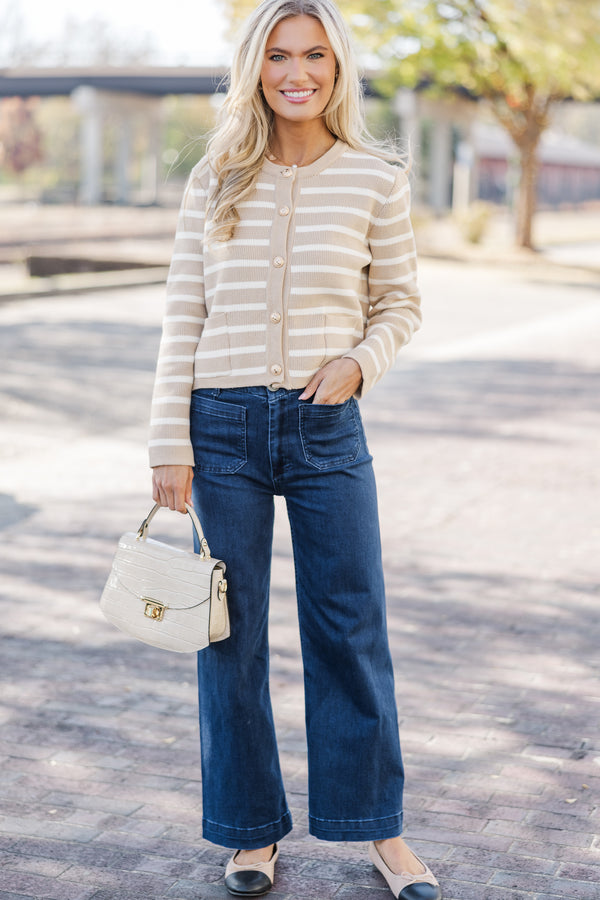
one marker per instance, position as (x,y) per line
(321,265)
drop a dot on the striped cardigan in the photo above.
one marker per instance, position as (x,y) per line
(321,265)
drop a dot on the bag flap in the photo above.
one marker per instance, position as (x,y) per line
(149,568)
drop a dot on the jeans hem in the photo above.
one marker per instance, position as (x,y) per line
(247,838)
(355,829)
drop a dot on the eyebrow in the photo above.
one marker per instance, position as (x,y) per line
(287,52)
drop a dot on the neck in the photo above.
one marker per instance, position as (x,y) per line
(301,143)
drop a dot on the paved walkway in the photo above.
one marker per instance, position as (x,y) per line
(486,445)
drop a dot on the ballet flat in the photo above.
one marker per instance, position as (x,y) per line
(250,881)
(407,886)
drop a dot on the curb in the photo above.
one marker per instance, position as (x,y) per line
(86,282)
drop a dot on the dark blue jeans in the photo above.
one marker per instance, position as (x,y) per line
(250,444)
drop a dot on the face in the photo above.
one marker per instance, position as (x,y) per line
(299,68)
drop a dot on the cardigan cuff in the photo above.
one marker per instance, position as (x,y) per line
(164,455)
(367,367)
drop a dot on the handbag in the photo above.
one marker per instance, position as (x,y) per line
(165,596)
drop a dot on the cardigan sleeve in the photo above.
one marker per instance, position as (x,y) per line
(394,301)
(185,313)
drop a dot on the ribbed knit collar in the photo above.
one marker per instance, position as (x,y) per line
(314,168)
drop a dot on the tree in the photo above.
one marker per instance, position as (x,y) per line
(20,138)
(520,55)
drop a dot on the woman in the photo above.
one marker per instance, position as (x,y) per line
(291,289)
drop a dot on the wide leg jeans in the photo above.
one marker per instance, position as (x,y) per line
(249,445)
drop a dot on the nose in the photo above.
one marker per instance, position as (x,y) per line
(297,71)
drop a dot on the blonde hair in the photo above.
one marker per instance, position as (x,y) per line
(237,147)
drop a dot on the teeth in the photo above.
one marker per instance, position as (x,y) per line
(298,93)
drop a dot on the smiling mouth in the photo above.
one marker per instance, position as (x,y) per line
(299,95)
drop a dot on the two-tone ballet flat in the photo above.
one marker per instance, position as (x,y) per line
(406,886)
(250,881)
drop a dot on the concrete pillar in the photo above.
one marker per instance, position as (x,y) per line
(130,111)
(462,191)
(92,134)
(151,161)
(406,107)
(440,165)
(122,161)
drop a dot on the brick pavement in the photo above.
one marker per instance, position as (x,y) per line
(485,440)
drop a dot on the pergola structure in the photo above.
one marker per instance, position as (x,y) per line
(133,95)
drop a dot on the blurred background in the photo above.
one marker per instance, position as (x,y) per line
(104,107)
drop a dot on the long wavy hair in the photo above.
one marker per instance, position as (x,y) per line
(237,147)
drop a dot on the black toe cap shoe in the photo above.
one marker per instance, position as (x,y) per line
(248,883)
(421,890)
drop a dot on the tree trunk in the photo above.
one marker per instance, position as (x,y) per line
(527,197)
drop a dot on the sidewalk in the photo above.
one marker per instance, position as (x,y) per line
(485,439)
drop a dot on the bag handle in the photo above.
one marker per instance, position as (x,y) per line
(204,548)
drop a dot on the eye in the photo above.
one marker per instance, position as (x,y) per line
(316,55)
(276,57)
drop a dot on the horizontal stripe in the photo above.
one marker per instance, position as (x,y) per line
(392,220)
(337,229)
(324,310)
(324,248)
(395,239)
(168,442)
(175,359)
(174,379)
(230,351)
(246,242)
(238,307)
(187,319)
(192,279)
(234,329)
(345,190)
(255,370)
(332,210)
(327,330)
(367,173)
(170,421)
(187,257)
(237,264)
(401,279)
(333,270)
(327,291)
(256,204)
(163,400)
(395,260)
(236,286)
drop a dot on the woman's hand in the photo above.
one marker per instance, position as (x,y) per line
(172,486)
(335,382)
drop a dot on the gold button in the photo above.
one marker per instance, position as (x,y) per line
(287,173)
(275,318)
(284,210)
(276,369)
(278,262)
(274,387)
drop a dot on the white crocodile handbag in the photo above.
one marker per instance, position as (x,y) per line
(164,596)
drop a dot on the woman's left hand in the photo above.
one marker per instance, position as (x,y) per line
(335,382)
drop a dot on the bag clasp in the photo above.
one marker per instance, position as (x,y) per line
(154,609)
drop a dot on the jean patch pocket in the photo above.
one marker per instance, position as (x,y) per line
(330,434)
(218,434)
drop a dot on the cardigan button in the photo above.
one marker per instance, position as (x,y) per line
(287,173)
(276,369)
(275,318)
(278,262)
(284,210)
